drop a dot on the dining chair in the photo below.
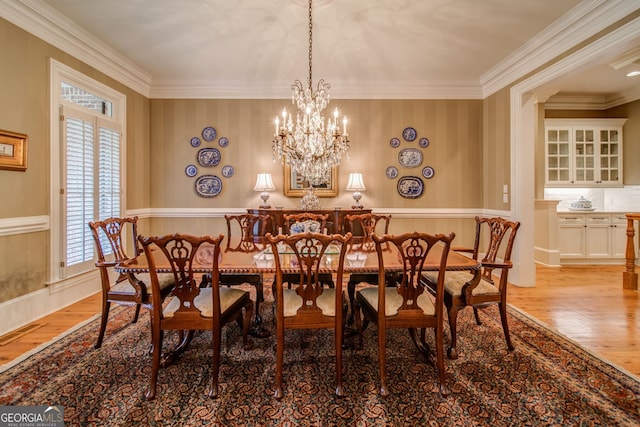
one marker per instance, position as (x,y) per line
(127,289)
(250,228)
(362,243)
(303,222)
(407,304)
(309,305)
(189,307)
(459,287)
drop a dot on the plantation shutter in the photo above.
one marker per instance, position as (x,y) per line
(91,184)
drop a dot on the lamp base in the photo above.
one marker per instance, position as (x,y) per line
(265,197)
(357,196)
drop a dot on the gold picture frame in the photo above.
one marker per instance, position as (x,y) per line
(13,151)
(295,187)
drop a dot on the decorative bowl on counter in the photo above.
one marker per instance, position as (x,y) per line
(582,204)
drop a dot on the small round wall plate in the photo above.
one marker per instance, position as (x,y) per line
(209,133)
(394,142)
(423,142)
(391,172)
(223,142)
(191,170)
(428,172)
(195,141)
(227,171)
(409,134)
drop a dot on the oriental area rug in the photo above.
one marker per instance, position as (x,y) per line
(547,381)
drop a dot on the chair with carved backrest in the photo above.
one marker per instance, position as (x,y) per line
(362,246)
(127,289)
(250,229)
(190,307)
(461,292)
(309,305)
(407,304)
(303,222)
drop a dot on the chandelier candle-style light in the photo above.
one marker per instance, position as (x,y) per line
(311,145)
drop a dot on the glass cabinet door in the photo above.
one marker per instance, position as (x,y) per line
(609,155)
(585,153)
(558,165)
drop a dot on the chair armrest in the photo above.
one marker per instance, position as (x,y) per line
(505,265)
(106,264)
(462,249)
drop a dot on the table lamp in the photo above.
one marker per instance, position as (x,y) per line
(356,184)
(264,183)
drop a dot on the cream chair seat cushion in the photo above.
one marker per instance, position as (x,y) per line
(204,301)
(455,280)
(393,300)
(165,280)
(325,302)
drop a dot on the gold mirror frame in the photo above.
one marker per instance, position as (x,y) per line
(293,187)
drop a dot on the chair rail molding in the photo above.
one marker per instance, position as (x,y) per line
(23,225)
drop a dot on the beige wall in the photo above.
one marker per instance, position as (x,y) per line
(496,156)
(24,108)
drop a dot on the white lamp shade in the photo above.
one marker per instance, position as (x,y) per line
(355,182)
(264,183)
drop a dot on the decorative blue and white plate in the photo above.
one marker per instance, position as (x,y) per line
(223,142)
(191,171)
(394,142)
(208,157)
(409,134)
(195,141)
(423,142)
(208,186)
(410,157)
(428,172)
(209,133)
(391,172)
(227,171)
(410,187)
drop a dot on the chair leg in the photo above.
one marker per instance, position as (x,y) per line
(155,361)
(505,325)
(215,367)
(278,394)
(452,313)
(259,299)
(382,359)
(444,391)
(136,314)
(351,290)
(339,337)
(246,323)
(357,313)
(103,322)
(475,313)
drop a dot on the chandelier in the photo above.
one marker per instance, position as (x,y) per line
(311,145)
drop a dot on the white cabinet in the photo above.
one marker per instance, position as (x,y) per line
(591,237)
(585,152)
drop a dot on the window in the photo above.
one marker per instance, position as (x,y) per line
(87,185)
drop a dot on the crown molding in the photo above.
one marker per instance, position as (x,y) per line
(582,22)
(591,102)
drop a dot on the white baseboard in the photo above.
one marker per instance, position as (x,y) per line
(28,308)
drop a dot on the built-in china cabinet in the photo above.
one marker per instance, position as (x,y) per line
(583,152)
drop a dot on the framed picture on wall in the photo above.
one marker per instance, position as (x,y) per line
(13,151)
(294,186)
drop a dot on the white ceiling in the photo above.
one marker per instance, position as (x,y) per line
(363,48)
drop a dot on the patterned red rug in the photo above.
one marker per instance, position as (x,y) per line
(547,380)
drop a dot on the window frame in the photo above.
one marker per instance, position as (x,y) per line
(61,73)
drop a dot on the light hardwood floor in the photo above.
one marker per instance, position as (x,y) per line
(585,303)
